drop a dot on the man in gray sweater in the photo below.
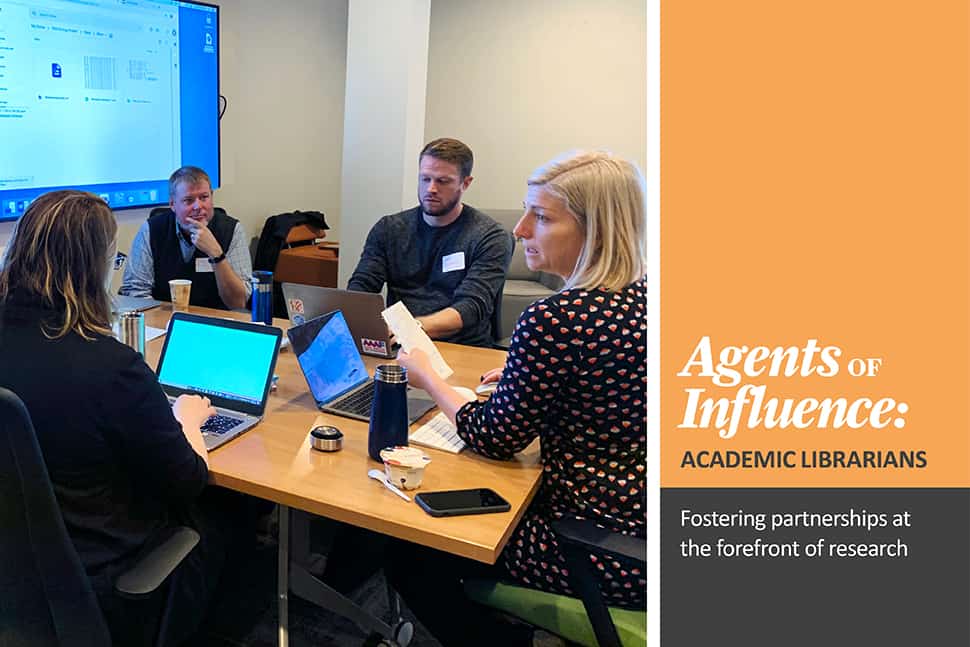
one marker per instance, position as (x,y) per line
(445,260)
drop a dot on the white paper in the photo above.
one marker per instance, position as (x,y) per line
(203,265)
(151,333)
(410,335)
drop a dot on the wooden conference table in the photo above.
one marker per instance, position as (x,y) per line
(274,461)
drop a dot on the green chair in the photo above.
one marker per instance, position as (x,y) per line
(585,620)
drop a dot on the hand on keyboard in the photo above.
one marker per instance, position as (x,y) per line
(192,410)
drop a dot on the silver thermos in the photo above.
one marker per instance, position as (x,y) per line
(131,330)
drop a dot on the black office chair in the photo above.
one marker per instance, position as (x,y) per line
(45,595)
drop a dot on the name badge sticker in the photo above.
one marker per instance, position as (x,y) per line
(203,265)
(453,262)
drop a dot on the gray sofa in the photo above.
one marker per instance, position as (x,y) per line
(522,286)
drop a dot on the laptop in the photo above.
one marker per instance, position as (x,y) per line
(362,311)
(335,372)
(230,362)
(124,303)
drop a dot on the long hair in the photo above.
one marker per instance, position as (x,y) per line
(59,255)
(607,196)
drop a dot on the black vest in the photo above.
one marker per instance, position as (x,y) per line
(168,263)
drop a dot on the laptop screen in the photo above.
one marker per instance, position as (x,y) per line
(218,360)
(328,356)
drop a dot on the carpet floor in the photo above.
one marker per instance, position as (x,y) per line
(247,616)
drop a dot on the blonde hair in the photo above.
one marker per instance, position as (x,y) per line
(607,196)
(59,254)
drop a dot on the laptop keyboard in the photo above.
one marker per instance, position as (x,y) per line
(359,402)
(219,424)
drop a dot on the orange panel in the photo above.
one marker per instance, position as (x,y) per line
(814,191)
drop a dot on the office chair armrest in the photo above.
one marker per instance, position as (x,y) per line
(587,534)
(163,553)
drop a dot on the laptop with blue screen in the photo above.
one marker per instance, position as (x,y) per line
(335,373)
(230,362)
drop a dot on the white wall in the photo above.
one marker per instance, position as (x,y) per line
(282,69)
(523,81)
(387,56)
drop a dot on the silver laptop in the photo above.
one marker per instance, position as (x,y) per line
(362,311)
(125,303)
(336,374)
(230,362)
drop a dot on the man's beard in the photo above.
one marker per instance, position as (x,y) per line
(442,208)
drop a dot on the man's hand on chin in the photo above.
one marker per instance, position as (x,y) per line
(205,242)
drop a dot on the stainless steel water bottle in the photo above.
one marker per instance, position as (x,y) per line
(131,330)
(389,412)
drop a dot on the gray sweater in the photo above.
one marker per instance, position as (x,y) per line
(461,265)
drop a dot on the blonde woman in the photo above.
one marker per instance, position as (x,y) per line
(122,461)
(575,377)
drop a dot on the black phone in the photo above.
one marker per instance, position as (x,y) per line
(455,502)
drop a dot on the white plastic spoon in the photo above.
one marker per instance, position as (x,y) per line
(378,475)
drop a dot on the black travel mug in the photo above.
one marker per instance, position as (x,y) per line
(389,412)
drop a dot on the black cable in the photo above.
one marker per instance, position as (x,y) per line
(223,104)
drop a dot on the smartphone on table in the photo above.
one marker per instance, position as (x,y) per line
(451,503)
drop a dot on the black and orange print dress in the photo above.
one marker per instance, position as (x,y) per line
(576,378)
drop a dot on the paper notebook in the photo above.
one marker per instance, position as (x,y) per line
(409,334)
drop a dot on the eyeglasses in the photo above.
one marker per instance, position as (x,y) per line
(120,260)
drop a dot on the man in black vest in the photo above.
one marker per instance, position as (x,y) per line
(190,240)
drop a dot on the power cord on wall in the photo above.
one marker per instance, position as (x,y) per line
(223,104)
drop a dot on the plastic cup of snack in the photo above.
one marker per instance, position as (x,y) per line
(404,466)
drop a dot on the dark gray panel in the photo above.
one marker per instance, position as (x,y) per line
(923,599)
